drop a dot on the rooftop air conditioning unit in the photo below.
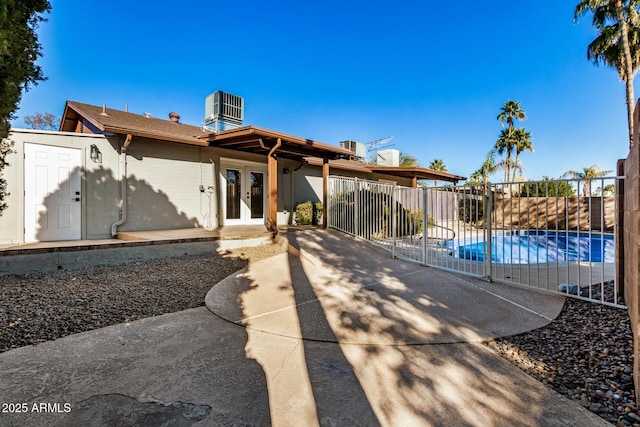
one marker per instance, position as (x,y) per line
(358,148)
(222,106)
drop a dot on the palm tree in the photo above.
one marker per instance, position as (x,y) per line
(509,112)
(586,174)
(523,142)
(489,167)
(617,43)
(437,165)
(505,145)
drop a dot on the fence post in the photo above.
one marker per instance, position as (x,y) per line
(488,209)
(393,221)
(356,206)
(425,224)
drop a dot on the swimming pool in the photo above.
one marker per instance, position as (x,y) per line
(532,247)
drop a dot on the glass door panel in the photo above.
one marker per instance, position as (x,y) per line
(257,194)
(234,194)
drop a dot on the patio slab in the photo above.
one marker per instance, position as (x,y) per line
(355,365)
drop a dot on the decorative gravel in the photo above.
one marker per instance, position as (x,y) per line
(586,354)
(41,307)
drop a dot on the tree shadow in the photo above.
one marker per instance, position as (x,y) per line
(412,347)
(147,208)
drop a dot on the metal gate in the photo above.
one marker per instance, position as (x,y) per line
(556,235)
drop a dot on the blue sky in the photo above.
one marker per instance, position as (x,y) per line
(431,74)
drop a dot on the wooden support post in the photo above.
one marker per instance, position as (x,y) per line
(272,171)
(325,179)
(414,181)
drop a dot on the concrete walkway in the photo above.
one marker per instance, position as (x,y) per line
(340,335)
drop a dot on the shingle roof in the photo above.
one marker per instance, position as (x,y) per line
(122,122)
(247,138)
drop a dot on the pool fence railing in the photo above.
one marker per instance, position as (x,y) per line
(557,236)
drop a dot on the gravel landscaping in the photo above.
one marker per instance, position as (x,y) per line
(585,354)
(41,307)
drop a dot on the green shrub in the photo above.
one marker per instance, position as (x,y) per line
(304,213)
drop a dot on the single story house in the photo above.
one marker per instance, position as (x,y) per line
(108,170)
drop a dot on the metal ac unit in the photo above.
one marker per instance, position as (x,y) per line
(358,148)
(224,106)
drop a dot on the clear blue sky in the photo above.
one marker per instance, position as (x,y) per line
(431,74)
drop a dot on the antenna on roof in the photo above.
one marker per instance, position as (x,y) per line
(379,144)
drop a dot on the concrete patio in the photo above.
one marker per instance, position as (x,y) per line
(333,333)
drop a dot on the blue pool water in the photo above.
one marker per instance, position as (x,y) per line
(531,247)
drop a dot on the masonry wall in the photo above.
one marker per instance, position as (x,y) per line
(631,246)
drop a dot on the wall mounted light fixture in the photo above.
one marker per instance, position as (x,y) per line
(95,154)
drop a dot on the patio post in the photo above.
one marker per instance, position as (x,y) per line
(325,178)
(272,172)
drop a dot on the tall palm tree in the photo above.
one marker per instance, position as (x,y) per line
(509,112)
(617,42)
(587,173)
(505,145)
(523,142)
(437,165)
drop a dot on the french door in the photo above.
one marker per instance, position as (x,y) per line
(244,195)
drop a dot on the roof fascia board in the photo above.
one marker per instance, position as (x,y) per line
(122,131)
(86,116)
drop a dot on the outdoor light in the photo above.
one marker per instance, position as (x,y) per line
(96,155)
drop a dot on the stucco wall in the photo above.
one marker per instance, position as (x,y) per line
(98,187)
(163,184)
(563,213)
(308,182)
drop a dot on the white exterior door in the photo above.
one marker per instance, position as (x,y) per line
(52,199)
(244,193)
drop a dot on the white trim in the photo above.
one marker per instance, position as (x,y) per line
(56,132)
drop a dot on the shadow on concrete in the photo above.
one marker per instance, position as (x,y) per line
(377,314)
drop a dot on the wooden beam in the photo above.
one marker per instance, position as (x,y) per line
(325,179)
(272,171)
(414,181)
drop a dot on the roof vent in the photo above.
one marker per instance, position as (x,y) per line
(104,110)
(174,117)
(147,115)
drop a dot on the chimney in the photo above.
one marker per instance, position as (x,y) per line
(174,117)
